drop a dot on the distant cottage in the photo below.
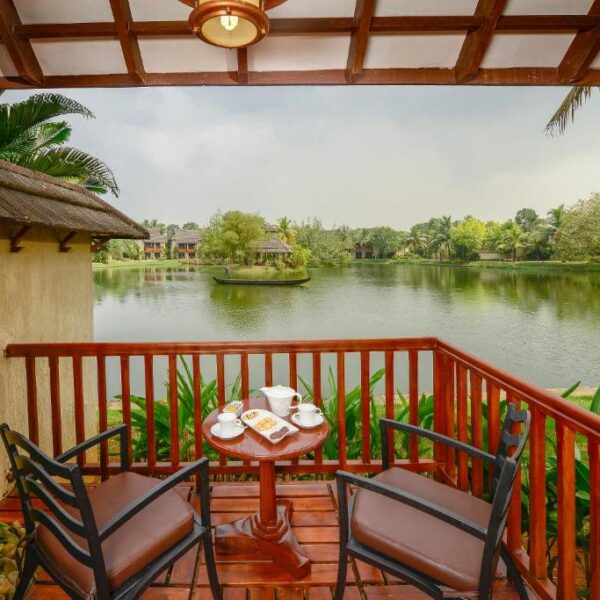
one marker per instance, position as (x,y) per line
(155,245)
(185,243)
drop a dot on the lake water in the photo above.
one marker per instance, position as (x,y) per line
(544,327)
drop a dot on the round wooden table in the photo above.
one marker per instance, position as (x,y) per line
(268,531)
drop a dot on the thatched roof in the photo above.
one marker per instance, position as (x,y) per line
(31,198)
(272,246)
(156,237)
(186,236)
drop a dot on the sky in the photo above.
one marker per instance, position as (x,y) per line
(359,156)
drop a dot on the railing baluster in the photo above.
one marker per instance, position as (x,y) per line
(126,402)
(268,369)
(476,433)
(389,402)
(341,392)
(174,410)
(565,444)
(449,396)
(102,413)
(293,362)
(365,401)
(413,402)
(32,404)
(493,414)
(537,494)
(55,405)
(197,381)
(79,405)
(150,423)
(318,400)
(221,393)
(514,536)
(462,428)
(244,375)
(439,413)
(594,458)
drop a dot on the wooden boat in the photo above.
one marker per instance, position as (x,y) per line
(261,281)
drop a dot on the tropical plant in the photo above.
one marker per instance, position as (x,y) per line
(31,138)
(442,236)
(573,101)
(527,219)
(286,231)
(579,235)
(511,240)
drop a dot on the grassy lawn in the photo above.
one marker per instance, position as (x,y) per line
(257,272)
(138,264)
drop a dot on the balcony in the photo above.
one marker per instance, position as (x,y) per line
(466,396)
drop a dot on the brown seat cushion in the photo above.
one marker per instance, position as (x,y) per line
(419,540)
(137,543)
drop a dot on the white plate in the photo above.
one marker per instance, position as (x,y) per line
(216,431)
(318,421)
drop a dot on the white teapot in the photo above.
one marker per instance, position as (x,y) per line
(280,399)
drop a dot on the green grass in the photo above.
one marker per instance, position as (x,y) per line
(137,264)
(257,272)
(524,265)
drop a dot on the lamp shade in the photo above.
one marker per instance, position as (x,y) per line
(229,23)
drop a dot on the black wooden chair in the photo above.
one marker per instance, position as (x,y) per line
(442,540)
(112,541)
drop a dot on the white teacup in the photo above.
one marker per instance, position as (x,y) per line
(228,423)
(307,414)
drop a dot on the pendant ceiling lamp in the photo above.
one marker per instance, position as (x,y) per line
(230,23)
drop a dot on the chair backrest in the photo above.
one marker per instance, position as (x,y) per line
(515,433)
(36,477)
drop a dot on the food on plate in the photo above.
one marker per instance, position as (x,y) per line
(276,435)
(251,414)
(265,424)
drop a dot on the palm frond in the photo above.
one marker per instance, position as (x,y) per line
(37,109)
(574,100)
(75,166)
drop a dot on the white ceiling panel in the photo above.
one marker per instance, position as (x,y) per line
(167,55)
(596,63)
(63,11)
(393,8)
(299,53)
(522,50)
(159,10)
(7,67)
(413,51)
(313,8)
(547,7)
(79,57)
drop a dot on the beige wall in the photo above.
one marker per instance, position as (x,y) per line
(45,296)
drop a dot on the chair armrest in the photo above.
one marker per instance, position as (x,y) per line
(439,512)
(120,430)
(199,466)
(431,435)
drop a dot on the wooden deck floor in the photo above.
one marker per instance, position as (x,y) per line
(247,577)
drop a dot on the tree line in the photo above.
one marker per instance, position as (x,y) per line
(571,234)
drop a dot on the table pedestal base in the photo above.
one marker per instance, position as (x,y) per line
(274,540)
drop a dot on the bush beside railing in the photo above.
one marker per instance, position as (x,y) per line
(469,396)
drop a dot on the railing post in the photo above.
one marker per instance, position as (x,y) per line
(477,432)
(389,402)
(439,420)
(450,414)
(565,444)
(365,404)
(79,405)
(594,456)
(150,424)
(32,400)
(53,366)
(462,428)
(413,402)
(515,540)
(174,410)
(537,494)
(318,400)
(341,397)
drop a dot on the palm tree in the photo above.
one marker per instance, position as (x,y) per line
(512,240)
(573,101)
(556,216)
(442,237)
(285,230)
(29,137)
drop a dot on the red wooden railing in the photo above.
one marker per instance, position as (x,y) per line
(468,397)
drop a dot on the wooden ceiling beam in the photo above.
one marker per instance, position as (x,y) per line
(582,52)
(19,49)
(524,76)
(326,26)
(477,42)
(242,63)
(363,15)
(129,43)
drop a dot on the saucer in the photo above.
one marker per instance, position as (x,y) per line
(216,431)
(319,420)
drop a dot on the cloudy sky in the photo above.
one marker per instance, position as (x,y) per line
(361,156)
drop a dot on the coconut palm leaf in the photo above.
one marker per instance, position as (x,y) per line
(75,166)
(574,100)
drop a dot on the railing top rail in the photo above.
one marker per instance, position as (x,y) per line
(41,350)
(577,418)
